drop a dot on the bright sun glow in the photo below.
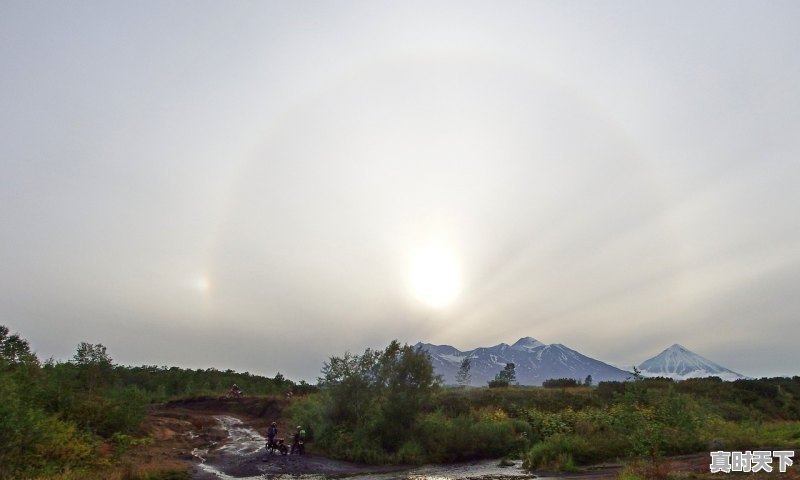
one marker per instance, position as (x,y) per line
(435,277)
(201,284)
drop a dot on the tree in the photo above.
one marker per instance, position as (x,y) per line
(88,354)
(505,377)
(588,381)
(16,358)
(15,350)
(94,365)
(407,380)
(351,381)
(509,373)
(464,376)
(378,395)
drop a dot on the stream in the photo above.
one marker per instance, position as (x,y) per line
(242,456)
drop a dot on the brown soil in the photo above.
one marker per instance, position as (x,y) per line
(178,427)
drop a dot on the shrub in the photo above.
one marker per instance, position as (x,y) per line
(560,383)
(559,452)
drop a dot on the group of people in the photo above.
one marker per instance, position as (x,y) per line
(274,444)
(277,444)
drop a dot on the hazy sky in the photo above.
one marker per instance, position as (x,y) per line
(250,185)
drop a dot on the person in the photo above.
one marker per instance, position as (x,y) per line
(298,441)
(236,391)
(272,431)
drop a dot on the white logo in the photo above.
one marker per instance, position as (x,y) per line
(750,461)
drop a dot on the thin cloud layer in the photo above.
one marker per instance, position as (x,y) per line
(247,186)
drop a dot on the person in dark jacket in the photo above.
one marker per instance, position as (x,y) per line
(272,431)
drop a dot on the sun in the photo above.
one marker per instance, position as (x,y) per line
(435,277)
(202,284)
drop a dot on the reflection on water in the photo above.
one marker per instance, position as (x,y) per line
(476,471)
(244,441)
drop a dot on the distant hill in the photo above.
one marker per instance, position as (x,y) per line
(679,363)
(534,362)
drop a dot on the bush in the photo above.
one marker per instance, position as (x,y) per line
(560,383)
(481,434)
(559,452)
(410,453)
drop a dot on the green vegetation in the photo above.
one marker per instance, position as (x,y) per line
(386,407)
(373,406)
(563,382)
(81,418)
(507,376)
(77,419)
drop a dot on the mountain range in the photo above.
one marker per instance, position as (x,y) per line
(536,362)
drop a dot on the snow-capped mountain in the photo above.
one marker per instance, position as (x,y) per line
(679,363)
(534,362)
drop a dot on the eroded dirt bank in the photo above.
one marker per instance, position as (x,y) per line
(222,437)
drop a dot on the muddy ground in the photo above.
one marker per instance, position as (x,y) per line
(190,431)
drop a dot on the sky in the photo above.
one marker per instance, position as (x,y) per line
(261,185)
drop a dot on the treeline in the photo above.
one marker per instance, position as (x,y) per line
(388,407)
(79,415)
(163,383)
(762,399)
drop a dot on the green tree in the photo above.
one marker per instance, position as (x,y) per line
(407,378)
(376,397)
(33,441)
(20,363)
(14,350)
(351,382)
(464,376)
(94,365)
(505,377)
(588,381)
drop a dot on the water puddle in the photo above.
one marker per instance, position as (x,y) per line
(245,443)
(242,440)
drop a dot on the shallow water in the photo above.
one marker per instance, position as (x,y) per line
(244,441)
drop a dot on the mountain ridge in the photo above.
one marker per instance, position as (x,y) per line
(534,362)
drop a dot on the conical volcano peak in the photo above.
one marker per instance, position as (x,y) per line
(680,363)
(527,342)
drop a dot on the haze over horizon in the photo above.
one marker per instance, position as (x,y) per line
(258,186)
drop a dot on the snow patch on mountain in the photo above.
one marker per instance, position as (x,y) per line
(527,343)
